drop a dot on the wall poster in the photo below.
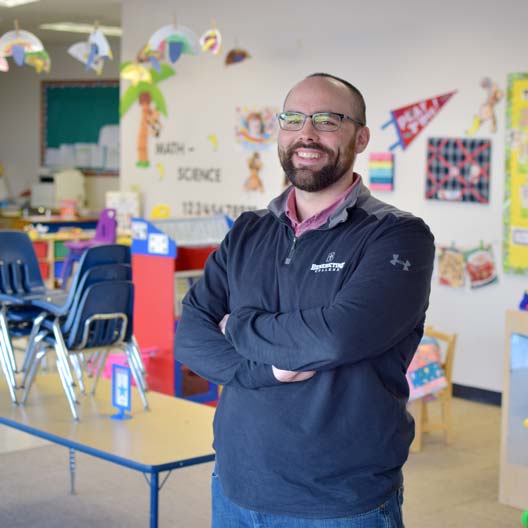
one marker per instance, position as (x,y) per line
(515,240)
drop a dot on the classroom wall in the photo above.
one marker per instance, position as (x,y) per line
(396,53)
(20,120)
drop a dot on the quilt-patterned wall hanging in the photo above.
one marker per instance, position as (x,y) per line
(515,241)
(458,169)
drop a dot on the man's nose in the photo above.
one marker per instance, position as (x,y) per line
(308,132)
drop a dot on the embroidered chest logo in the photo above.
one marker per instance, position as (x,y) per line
(404,263)
(329,265)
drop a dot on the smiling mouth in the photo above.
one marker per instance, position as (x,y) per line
(309,155)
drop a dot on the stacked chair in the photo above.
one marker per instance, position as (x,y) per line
(80,325)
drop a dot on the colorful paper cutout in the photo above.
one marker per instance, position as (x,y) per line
(458,169)
(173,41)
(256,129)
(236,55)
(480,266)
(144,90)
(410,120)
(253,182)
(94,52)
(515,242)
(381,171)
(211,41)
(24,48)
(487,109)
(451,265)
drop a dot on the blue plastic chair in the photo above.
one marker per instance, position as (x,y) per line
(101,319)
(20,279)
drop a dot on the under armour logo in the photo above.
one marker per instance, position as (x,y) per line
(395,260)
(330,257)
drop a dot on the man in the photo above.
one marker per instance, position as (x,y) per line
(309,314)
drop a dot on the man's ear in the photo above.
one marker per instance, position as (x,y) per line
(362,139)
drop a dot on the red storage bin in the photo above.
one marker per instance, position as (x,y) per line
(192,258)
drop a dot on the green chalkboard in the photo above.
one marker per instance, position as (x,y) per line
(75,111)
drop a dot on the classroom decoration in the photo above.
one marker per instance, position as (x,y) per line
(172,41)
(487,108)
(515,241)
(236,55)
(94,52)
(480,266)
(410,120)
(381,171)
(145,91)
(211,41)
(24,48)
(458,169)
(256,129)
(425,375)
(253,182)
(451,264)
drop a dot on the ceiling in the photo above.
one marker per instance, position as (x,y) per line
(30,16)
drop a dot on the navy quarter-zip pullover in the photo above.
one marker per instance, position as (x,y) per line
(347,300)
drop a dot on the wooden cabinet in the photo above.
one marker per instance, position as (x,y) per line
(513,480)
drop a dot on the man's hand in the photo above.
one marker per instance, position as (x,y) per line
(222,323)
(288,376)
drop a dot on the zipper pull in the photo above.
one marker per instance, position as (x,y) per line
(290,254)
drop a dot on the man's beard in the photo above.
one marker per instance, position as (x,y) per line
(310,180)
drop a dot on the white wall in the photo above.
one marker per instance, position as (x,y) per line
(20,120)
(396,53)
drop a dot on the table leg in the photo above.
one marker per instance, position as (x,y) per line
(72,471)
(154,491)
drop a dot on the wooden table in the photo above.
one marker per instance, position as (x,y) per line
(175,433)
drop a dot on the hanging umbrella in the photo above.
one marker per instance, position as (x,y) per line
(81,52)
(175,40)
(4,66)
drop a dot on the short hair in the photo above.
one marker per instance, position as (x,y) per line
(358,96)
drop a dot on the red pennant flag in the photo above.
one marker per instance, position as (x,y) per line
(412,119)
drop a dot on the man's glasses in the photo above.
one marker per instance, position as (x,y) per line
(323,121)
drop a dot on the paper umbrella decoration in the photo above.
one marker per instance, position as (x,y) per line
(24,48)
(236,55)
(93,52)
(173,41)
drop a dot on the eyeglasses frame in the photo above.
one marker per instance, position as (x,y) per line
(306,116)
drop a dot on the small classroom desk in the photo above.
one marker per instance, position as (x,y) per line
(175,433)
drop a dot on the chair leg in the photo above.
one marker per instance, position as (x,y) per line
(99,368)
(418,407)
(447,420)
(4,329)
(34,332)
(136,375)
(5,364)
(32,350)
(32,371)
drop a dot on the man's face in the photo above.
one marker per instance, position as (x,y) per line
(314,160)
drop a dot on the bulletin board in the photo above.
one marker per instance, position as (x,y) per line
(74,112)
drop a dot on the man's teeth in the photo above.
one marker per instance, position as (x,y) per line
(310,155)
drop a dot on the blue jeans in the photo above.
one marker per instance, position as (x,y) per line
(227,514)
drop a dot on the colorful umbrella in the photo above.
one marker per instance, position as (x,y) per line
(174,40)
(236,55)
